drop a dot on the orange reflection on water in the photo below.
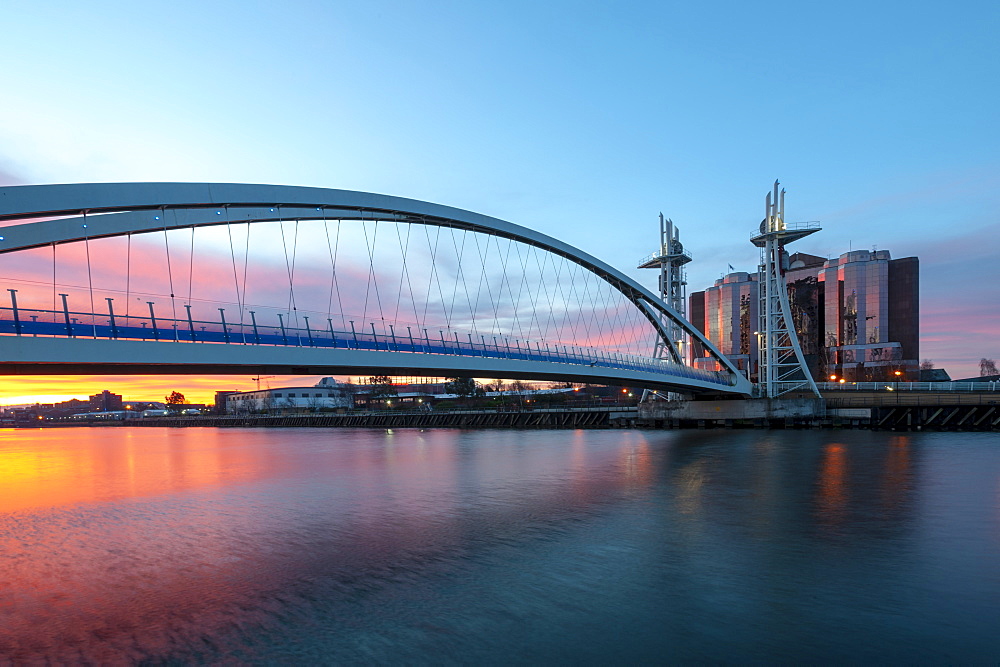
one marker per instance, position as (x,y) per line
(833,483)
(52,467)
(124,545)
(897,474)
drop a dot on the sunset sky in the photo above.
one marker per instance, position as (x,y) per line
(581,120)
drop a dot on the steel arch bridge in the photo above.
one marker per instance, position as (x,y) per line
(39,219)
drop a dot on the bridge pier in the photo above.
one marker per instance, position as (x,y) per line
(728,411)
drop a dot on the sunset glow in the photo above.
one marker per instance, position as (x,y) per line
(18,390)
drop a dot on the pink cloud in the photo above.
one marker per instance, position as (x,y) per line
(959,298)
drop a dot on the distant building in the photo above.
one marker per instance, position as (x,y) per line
(64,408)
(106,402)
(326,394)
(857,316)
(220,401)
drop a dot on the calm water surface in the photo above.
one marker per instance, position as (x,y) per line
(498,547)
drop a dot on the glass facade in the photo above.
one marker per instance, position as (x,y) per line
(856,316)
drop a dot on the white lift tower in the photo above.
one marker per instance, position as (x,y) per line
(670,260)
(782,366)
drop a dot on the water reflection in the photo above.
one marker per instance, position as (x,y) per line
(832,489)
(480,546)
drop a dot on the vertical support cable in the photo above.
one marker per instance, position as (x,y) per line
(170,275)
(90,280)
(128,275)
(334,285)
(190,269)
(53,282)
(246,264)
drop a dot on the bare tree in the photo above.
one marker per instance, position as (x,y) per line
(926,365)
(987,367)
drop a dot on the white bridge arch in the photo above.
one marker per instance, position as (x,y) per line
(39,216)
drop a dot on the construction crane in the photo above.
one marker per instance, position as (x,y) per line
(262,377)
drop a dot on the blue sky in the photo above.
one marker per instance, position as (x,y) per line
(583,120)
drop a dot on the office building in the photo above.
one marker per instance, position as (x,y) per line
(857,316)
(105,402)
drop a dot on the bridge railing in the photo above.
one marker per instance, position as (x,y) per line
(74,324)
(910,386)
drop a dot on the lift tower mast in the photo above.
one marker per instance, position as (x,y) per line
(782,365)
(670,260)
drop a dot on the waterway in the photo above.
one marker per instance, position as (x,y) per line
(498,547)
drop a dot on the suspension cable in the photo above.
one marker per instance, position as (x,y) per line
(291,278)
(406,270)
(191,267)
(90,280)
(402,271)
(240,300)
(246,264)
(482,275)
(170,275)
(459,277)
(128,273)
(53,281)
(334,285)
(372,277)
(288,265)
